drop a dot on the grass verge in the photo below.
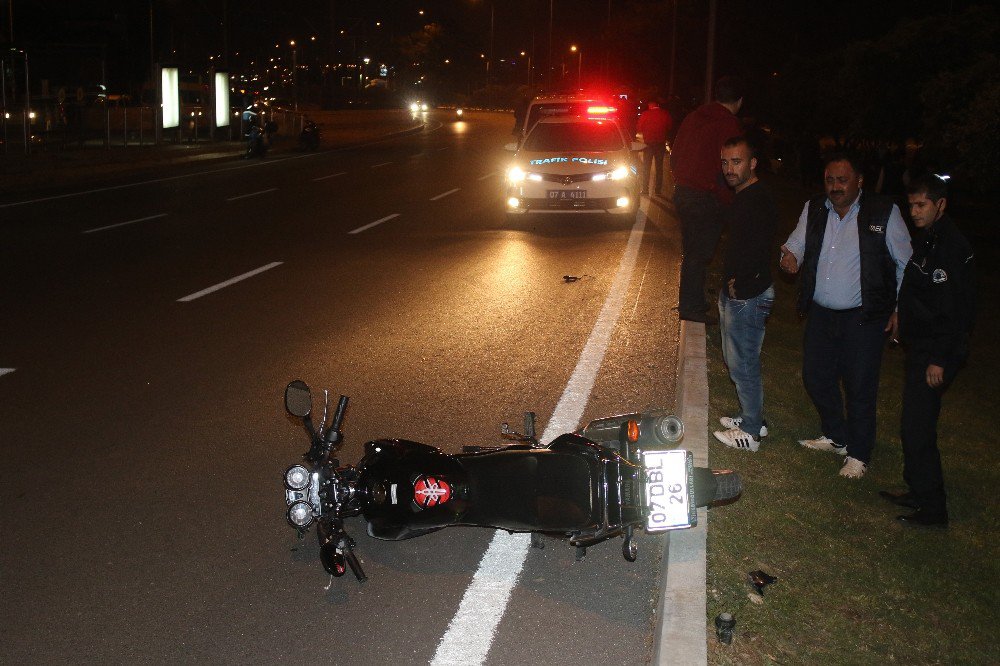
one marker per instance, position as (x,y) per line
(855,587)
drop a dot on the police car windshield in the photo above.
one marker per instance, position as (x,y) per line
(578,137)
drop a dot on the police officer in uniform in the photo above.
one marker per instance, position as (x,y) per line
(936,314)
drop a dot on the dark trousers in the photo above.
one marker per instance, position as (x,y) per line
(841,347)
(700,214)
(652,156)
(918,430)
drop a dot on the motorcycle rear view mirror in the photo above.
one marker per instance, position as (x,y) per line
(298,399)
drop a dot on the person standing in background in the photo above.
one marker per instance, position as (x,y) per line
(654,124)
(700,191)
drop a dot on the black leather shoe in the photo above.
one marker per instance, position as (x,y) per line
(899,499)
(921,518)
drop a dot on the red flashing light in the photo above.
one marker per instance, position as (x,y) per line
(600,110)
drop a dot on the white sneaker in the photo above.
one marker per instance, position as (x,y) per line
(730,422)
(824,443)
(853,468)
(737,439)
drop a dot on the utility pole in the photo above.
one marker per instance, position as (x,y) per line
(673,47)
(710,62)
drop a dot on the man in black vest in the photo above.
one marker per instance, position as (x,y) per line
(852,248)
(937,306)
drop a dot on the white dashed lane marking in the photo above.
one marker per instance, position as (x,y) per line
(232,281)
(374,224)
(122,224)
(332,175)
(252,194)
(444,194)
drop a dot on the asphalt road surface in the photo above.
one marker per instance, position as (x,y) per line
(147,332)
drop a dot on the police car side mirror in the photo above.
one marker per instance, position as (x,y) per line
(510,147)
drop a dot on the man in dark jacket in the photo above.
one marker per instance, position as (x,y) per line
(852,248)
(747,292)
(936,313)
(654,124)
(700,192)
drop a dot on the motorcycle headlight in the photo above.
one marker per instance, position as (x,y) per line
(296,477)
(620,173)
(300,514)
(515,174)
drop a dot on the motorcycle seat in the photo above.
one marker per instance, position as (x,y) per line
(533,490)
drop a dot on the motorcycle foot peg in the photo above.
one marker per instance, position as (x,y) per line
(537,541)
(581,552)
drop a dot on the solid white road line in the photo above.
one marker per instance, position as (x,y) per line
(444,194)
(332,175)
(380,164)
(489,175)
(470,633)
(122,224)
(373,224)
(6,371)
(223,285)
(252,194)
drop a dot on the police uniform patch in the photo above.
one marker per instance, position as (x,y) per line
(939,276)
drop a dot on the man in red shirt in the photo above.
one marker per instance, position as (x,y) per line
(700,192)
(654,124)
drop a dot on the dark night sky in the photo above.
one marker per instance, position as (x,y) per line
(752,37)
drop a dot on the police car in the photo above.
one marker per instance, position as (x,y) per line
(573,164)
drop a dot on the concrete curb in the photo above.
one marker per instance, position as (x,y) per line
(680,635)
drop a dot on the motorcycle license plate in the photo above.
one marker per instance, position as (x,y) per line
(669,476)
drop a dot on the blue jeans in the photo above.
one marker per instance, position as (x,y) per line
(742,326)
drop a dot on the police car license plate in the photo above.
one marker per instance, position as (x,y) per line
(669,476)
(567,194)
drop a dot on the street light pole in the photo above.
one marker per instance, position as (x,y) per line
(579,65)
(295,73)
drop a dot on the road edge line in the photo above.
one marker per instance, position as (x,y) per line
(472,630)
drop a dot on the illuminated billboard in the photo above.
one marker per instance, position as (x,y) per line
(221,99)
(170,89)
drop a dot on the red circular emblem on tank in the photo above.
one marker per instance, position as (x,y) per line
(430,491)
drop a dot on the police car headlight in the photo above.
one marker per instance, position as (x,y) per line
(599,176)
(414,107)
(515,174)
(513,202)
(622,202)
(620,173)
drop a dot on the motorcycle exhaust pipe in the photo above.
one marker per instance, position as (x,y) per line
(657,428)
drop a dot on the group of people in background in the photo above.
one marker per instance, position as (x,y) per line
(862,280)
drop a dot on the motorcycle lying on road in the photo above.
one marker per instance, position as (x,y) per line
(612,478)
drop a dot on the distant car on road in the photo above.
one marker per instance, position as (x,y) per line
(573,164)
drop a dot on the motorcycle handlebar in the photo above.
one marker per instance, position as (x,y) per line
(338,416)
